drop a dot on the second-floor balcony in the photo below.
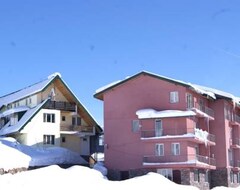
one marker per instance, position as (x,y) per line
(199,134)
(78,128)
(202,111)
(60,105)
(178,160)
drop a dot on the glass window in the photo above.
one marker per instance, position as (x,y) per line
(196,175)
(135,125)
(159,149)
(49,139)
(176,149)
(174,97)
(158,128)
(49,117)
(189,100)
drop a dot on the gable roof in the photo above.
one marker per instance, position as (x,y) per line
(209,92)
(41,86)
(27,91)
(7,129)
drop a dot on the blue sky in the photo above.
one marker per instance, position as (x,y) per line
(95,42)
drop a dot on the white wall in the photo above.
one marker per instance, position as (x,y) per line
(35,129)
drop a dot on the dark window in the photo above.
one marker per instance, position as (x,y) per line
(49,117)
(63,139)
(63,118)
(196,175)
(78,121)
(49,139)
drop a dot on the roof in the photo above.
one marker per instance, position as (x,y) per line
(209,92)
(41,86)
(27,91)
(7,129)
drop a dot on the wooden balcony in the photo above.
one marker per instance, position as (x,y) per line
(63,106)
(81,129)
(178,132)
(190,159)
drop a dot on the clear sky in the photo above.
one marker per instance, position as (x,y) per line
(95,42)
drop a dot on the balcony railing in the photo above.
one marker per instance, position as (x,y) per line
(235,118)
(83,129)
(64,106)
(235,141)
(204,109)
(178,132)
(179,159)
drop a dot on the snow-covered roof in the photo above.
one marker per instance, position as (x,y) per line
(25,92)
(14,110)
(8,129)
(151,113)
(210,92)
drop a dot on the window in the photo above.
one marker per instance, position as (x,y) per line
(76,121)
(49,139)
(231,176)
(206,176)
(189,100)
(168,173)
(174,97)
(49,117)
(101,140)
(238,177)
(63,118)
(63,139)
(135,125)
(176,149)
(196,175)
(201,105)
(158,128)
(159,149)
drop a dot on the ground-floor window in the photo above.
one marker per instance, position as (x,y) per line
(168,173)
(238,177)
(49,139)
(196,175)
(206,176)
(231,176)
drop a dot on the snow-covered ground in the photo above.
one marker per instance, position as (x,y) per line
(15,155)
(76,177)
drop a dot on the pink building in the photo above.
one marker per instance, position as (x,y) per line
(188,133)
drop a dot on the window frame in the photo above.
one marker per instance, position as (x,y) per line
(174,97)
(49,139)
(159,149)
(176,151)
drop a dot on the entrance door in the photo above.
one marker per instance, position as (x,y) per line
(158,128)
(84,145)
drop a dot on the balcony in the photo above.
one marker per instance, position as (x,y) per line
(235,120)
(63,106)
(235,143)
(203,111)
(179,133)
(178,160)
(80,129)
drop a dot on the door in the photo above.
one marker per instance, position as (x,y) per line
(84,146)
(158,128)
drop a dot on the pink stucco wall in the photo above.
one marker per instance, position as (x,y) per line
(124,149)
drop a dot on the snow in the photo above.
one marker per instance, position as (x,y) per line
(54,75)
(151,113)
(25,92)
(77,177)
(14,128)
(107,86)
(28,156)
(14,110)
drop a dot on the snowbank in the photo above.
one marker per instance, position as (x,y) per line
(34,156)
(77,177)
